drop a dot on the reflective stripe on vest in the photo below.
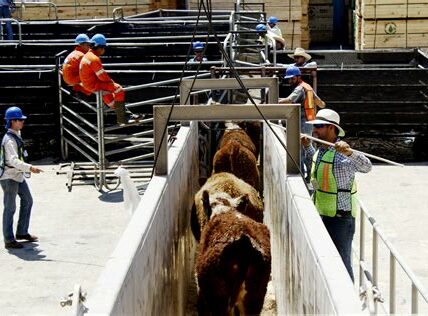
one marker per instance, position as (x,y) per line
(20,144)
(308,104)
(325,188)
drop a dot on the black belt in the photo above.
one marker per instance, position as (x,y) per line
(342,213)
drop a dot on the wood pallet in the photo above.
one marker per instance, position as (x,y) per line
(390,24)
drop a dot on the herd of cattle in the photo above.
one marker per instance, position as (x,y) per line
(233,263)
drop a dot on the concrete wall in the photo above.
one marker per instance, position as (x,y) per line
(149,271)
(308,274)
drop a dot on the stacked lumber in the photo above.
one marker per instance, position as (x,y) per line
(292,15)
(391,24)
(87,9)
(321,21)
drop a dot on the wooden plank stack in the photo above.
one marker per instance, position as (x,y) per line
(88,9)
(292,15)
(391,24)
(321,20)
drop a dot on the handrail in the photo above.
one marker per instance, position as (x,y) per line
(417,286)
(225,42)
(155,84)
(36,4)
(19,27)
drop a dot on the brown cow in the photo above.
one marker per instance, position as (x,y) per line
(237,159)
(237,154)
(225,186)
(234,262)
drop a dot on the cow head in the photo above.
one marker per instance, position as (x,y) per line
(223,202)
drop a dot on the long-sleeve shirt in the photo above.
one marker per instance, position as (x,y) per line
(344,169)
(15,167)
(91,71)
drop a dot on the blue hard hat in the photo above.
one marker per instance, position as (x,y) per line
(291,72)
(98,40)
(273,20)
(198,45)
(261,28)
(14,113)
(82,38)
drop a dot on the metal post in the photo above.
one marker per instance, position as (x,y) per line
(362,244)
(414,299)
(64,147)
(101,148)
(375,260)
(392,283)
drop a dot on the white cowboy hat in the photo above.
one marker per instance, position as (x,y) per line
(327,116)
(300,52)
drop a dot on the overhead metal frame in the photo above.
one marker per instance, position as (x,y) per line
(289,112)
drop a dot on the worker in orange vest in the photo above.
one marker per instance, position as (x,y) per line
(94,78)
(70,69)
(304,94)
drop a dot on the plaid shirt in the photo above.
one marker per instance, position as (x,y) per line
(344,168)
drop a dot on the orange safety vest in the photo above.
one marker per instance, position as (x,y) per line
(309,103)
(92,71)
(70,69)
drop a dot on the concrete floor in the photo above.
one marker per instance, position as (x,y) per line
(77,232)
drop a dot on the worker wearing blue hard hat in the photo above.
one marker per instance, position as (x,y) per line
(95,78)
(13,167)
(302,94)
(273,34)
(198,49)
(70,68)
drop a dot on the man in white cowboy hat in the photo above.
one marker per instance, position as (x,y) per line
(333,179)
(302,59)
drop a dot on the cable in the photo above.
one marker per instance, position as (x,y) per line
(236,75)
(179,83)
(208,13)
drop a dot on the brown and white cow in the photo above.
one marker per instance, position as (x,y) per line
(225,187)
(234,260)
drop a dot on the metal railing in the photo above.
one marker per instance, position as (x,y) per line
(22,5)
(90,138)
(417,288)
(14,21)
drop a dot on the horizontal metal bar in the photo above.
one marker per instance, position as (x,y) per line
(138,157)
(154,84)
(116,127)
(128,148)
(158,100)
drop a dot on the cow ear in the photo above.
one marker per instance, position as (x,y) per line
(243,202)
(206,203)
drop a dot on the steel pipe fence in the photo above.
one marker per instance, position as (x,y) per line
(417,289)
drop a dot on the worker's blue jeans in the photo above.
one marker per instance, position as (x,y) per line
(5,13)
(341,230)
(11,189)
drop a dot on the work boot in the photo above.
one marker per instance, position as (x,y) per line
(120,113)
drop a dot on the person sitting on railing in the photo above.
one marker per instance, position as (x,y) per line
(198,49)
(94,78)
(272,26)
(264,34)
(6,13)
(333,180)
(302,59)
(70,68)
